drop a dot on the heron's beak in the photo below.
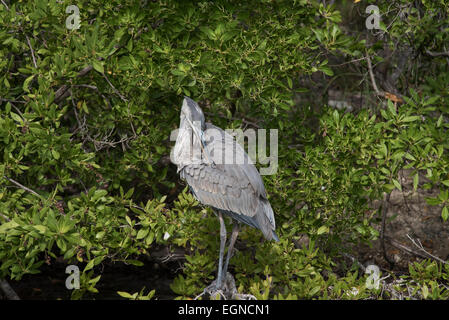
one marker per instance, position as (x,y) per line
(195,130)
(199,137)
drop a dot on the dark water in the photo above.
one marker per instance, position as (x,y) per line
(50,283)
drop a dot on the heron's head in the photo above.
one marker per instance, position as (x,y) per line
(192,114)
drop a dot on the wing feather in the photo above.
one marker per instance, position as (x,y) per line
(236,189)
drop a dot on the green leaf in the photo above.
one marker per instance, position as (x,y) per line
(322,229)
(142,234)
(383,150)
(445,213)
(425,291)
(411,118)
(125,295)
(440,120)
(55,154)
(98,66)
(89,265)
(415,181)
(433,201)
(135,262)
(391,107)
(41,228)
(26,83)
(397,184)
(290,82)
(16,117)
(326,70)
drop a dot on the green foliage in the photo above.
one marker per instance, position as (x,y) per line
(137,295)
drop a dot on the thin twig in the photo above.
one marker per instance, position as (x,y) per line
(115,89)
(420,247)
(438,54)
(354,260)
(11,101)
(371,75)
(22,186)
(400,246)
(32,51)
(7,8)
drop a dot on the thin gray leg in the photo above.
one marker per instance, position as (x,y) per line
(222,246)
(234,235)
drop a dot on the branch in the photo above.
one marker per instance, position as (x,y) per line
(420,247)
(63,91)
(371,75)
(400,246)
(6,6)
(115,89)
(22,186)
(32,51)
(438,54)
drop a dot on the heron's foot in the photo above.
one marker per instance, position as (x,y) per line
(243,296)
(228,291)
(212,292)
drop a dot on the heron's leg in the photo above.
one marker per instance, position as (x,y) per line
(234,235)
(222,246)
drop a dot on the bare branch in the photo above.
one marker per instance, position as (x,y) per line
(22,186)
(418,244)
(438,54)
(6,6)
(115,89)
(32,51)
(400,246)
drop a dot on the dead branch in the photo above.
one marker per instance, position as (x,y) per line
(6,6)
(371,75)
(22,186)
(400,246)
(418,244)
(32,51)
(438,54)
(63,92)
(114,88)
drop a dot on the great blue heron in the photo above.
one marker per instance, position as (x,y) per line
(217,178)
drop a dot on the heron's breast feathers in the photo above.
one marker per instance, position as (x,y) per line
(221,188)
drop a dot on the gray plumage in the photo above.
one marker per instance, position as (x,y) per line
(227,181)
(236,189)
